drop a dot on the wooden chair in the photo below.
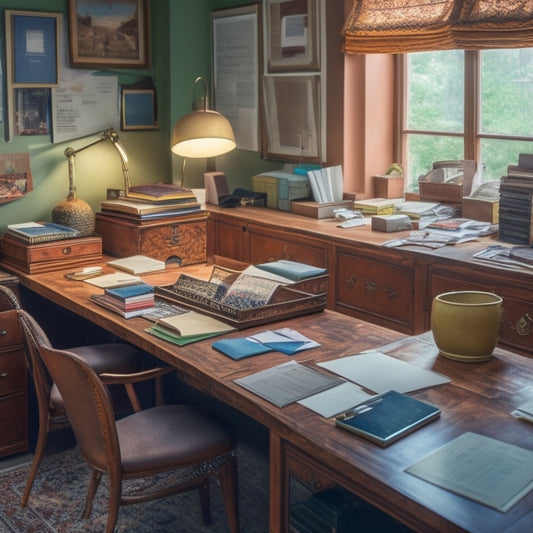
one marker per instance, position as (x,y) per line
(123,362)
(158,439)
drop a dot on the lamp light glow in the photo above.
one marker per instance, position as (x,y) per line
(202,133)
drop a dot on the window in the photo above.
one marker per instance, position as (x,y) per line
(466,105)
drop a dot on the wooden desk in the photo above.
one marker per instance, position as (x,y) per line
(479,398)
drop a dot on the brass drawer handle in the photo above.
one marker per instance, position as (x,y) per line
(4,374)
(3,333)
(67,250)
(350,282)
(370,287)
(523,326)
(391,293)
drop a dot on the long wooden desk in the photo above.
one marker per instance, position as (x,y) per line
(479,398)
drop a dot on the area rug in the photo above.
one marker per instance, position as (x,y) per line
(58,497)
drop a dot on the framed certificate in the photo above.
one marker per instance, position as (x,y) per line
(32,48)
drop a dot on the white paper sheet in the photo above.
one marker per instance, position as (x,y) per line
(380,373)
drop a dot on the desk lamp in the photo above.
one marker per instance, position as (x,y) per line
(74,212)
(202,133)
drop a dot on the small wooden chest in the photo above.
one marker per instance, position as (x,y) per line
(50,256)
(180,240)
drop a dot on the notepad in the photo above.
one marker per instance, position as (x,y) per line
(387,417)
(137,264)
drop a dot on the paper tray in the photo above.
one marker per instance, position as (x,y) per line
(286,303)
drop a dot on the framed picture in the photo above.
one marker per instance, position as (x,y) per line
(32,48)
(292,117)
(32,111)
(138,109)
(292,32)
(236,66)
(109,33)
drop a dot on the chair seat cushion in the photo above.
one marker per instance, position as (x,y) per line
(171,436)
(114,358)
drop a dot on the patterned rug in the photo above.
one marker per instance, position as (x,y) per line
(58,498)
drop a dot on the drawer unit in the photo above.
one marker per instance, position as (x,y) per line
(13,387)
(373,289)
(516,328)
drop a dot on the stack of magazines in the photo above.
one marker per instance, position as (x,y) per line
(127,301)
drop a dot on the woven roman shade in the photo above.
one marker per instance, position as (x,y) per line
(402,26)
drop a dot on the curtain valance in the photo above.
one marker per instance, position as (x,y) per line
(401,26)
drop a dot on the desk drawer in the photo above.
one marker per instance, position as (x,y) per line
(9,330)
(13,424)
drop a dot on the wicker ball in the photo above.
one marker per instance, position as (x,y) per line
(74,213)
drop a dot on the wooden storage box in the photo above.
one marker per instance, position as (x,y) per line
(389,186)
(446,193)
(51,256)
(181,240)
(481,209)
(316,210)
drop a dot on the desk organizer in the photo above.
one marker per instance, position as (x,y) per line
(286,302)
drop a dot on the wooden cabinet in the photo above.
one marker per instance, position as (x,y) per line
(516,328)
(13,381)
(392,287)
(377,286)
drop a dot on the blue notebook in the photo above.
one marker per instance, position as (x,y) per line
(387,417)
(240,348)
(130,290)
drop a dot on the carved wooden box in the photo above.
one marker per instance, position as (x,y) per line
(181,240)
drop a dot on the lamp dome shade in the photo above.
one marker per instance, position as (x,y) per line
(203,134)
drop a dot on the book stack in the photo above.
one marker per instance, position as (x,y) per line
(127,301)
(36,232)
(516,200)
(375,206)
(152,202)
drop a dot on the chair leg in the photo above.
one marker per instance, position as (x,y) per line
(227,475)
(115,492)
(91,491)
(203,492)
(39,452)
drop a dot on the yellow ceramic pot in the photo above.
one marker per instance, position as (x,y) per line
(465,324)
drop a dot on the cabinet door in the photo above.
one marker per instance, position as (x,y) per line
(371,286)
(516,328)
(226,237)
(268,244)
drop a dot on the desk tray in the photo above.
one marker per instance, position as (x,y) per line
(285,303)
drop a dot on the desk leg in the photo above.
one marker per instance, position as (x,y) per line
(279,487)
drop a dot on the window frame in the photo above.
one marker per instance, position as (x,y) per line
(471,134)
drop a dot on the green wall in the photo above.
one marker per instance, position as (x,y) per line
(181,51)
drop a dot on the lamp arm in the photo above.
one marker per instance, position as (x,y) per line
(111,135)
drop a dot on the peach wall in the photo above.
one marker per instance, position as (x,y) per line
(368,120)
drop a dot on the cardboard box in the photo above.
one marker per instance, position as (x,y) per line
(389,186)
(51,256)
(391,223)
(281,188)
(316,210)
(181,240)
(481,209)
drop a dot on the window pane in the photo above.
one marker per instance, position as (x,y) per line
(497,154)
(435,91)
(424,150)
(507,91)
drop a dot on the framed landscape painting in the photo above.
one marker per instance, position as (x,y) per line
(109,33)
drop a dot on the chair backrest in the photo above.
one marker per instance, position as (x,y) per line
(89,408)
(86,398)
(33,337)
(8,299)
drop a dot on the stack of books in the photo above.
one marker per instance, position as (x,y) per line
(38,232)
(375,206)
(127,301)
(152,202)
(516,200)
